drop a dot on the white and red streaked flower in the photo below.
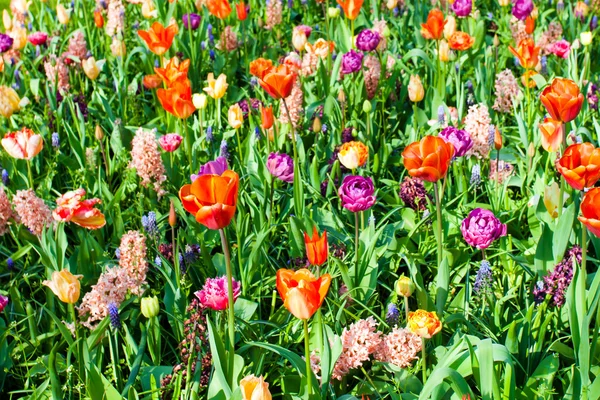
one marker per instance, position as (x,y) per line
(23,144)
(71,207)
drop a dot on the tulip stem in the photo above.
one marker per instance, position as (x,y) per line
(424,360)
(231,316)
(307,359)
(439,224)
(583,253)
(188,141)
(29,175)
(356,238)
(406,307)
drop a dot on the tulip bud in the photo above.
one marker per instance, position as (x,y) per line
(551,197)
(98,19)
(415,89)
(496,41)
(576,44)
(7,20)
(90,68)
(149,307)
(534,13)
(62,14)
(450,27)
(333,12)
(444,51)
(503,3)
(367,107)
(254,388)
(391,4)
(405,286)
(586,38)
(99,133)
(172,215)
(531,150)
(317,125)
(200,100)
(341,96)
(497,139)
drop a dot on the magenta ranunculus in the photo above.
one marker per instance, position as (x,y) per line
(459,138)
(281,166)
(367,40)
(193,18)
(3,302)
(462,8)
(6,42)
(357,193)
(38,38)
(214,293)
(216,167)
(481,228)
(351,62)
(561,48)
(170,142)
(522,8)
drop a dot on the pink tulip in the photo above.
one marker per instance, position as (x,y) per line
(170,142)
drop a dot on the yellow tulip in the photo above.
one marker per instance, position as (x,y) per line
(404,286)
(200,101)
(90,67)
(9,101)
(65,286)
(450,27)
(415,89)
(235,116)
(586,38)
(62,14)
(216,87)
(254,388)
(150,307)
(7,20)
(551,196)
(19,36)
(444,52)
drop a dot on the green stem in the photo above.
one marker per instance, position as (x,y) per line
(424,360)
(439,238)
(406,307)
(307,357)
(230,316)
(356,237)
(583,253)
(30,176)
(188,141)
(54,381)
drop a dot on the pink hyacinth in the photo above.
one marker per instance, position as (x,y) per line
(32,211)
(359,341)
(145,158)
(6,212)
(399,347)
(170,142)
(214,293)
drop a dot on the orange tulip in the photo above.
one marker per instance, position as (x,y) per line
(562,99)
(316,247)
(259,67)
(590,208)
(580,165)
(351,8)
(529,25)
(428,159)
(175,71)
(424,323)
(461,41)
(212,199)
(278,81)
(177,100)
(65,286)
(23,144)
(151,81)
(552,134)
(240,8)
(353,154)
(434,27)
(267,119)
(72,208)
(98,19)
(527,53)
(159,39)
(219,8)
(302,293)
(527,78)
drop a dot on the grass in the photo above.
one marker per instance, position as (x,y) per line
(4,4)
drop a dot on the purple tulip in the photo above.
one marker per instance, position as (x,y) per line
(367,40)
(6,42)
(216,167)
(193,18)
(459,138)
(351,62)
(281,166)
(522,8)
(462,8)
(356,193)
(481,228)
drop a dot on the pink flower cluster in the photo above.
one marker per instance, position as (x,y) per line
(32,211)
(399,347)
(294,102)
(114,284)
(145,158)
(6,212)
(507,91)
(359,341)
(477,124)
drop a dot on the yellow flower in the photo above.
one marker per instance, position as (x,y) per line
(9,101)
(551,196)
(450,27)
(6,20)
(148,9)
(405,286)
(216,88)
(235,116)
(65,286)
(150,306)
(19,36)
(62,14)
(200,101)
(90,67)
(254,388)
(353,155)
(444,52)
(586,38)
(424,323)
(415,89)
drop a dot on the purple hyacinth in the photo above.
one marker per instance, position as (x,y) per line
(351,62)
(223,149)
(594,23)
(441,115)
(554,285)
(10,264)
(392,315)
(209,134)
(522,8)
(191,20)
(462,8)
(475,175)
(460,139)
(6,42)
(281,166)
(483,279)
(347,135)
(55,140)
(357,193)
(491,136)
(5,177)
(413,193)
(113,314)
(367,40)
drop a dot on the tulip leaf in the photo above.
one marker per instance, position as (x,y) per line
(218,387)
